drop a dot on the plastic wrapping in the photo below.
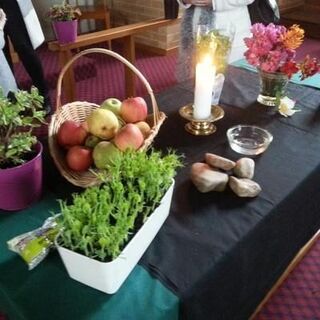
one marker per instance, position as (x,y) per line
(35,245)
(217,89)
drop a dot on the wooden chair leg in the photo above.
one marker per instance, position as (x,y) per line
(69,84)
(129,54)
(108,26)
(14,55)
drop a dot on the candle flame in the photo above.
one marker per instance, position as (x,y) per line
(206,60)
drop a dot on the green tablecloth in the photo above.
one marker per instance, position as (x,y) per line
(47,292)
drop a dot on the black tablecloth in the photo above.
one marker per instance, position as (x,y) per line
(220,253)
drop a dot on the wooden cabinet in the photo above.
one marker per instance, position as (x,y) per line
(290,5)
(305,13)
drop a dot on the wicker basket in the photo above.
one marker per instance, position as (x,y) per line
(79,110)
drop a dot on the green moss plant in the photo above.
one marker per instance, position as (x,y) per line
(100,221)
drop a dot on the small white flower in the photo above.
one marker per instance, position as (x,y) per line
(286,107)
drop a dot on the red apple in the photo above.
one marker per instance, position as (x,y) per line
(144,128)
(79,158)
(85,126)
(129,136)
(134,110)
(71,133)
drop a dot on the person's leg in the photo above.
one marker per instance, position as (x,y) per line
(16,30)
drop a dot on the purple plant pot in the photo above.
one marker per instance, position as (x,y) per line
(22,185)
(66,31)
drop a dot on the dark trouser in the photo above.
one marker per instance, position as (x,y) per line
(16,30)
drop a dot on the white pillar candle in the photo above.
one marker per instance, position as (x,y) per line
(205,75)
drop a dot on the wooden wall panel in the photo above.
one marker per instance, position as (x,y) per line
(128,11)
(290,5)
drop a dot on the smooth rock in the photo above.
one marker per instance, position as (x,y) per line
(244,187)
(244,168)
(219,162)
(207,179)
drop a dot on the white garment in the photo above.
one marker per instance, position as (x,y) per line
(7,81)
(32,22)
(224,12)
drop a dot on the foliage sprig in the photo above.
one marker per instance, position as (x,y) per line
(217,45)
(18,116)
(99,222)
(63,12)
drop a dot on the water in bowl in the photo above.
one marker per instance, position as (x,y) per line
(247,146)
(249,140)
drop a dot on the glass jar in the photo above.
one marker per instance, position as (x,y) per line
(272,86)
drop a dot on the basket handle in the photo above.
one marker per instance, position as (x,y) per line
(118,57)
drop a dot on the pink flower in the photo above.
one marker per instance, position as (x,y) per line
(309,67)
(267,51)
(289,68)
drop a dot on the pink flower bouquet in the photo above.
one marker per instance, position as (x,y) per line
(272,48)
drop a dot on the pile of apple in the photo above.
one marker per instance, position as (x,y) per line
(108,130)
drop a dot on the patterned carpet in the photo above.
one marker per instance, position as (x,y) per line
(84,69)
(298,298)
(109,82)
(99,76)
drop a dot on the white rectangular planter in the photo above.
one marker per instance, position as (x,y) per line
(109,276)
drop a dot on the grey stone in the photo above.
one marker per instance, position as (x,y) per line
(244,168)
(219,162)
(244,187)
(207,179)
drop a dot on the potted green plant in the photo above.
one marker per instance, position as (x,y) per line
(107,228)
(64,21)
(20,152)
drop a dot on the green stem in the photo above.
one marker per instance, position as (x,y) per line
(7,136)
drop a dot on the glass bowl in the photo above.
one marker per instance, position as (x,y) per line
(249,140)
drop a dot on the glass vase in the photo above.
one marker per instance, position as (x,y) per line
(272,85)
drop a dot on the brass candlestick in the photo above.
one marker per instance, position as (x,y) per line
(201,127)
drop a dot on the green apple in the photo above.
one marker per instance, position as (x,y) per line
(112,104)
(104,153)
